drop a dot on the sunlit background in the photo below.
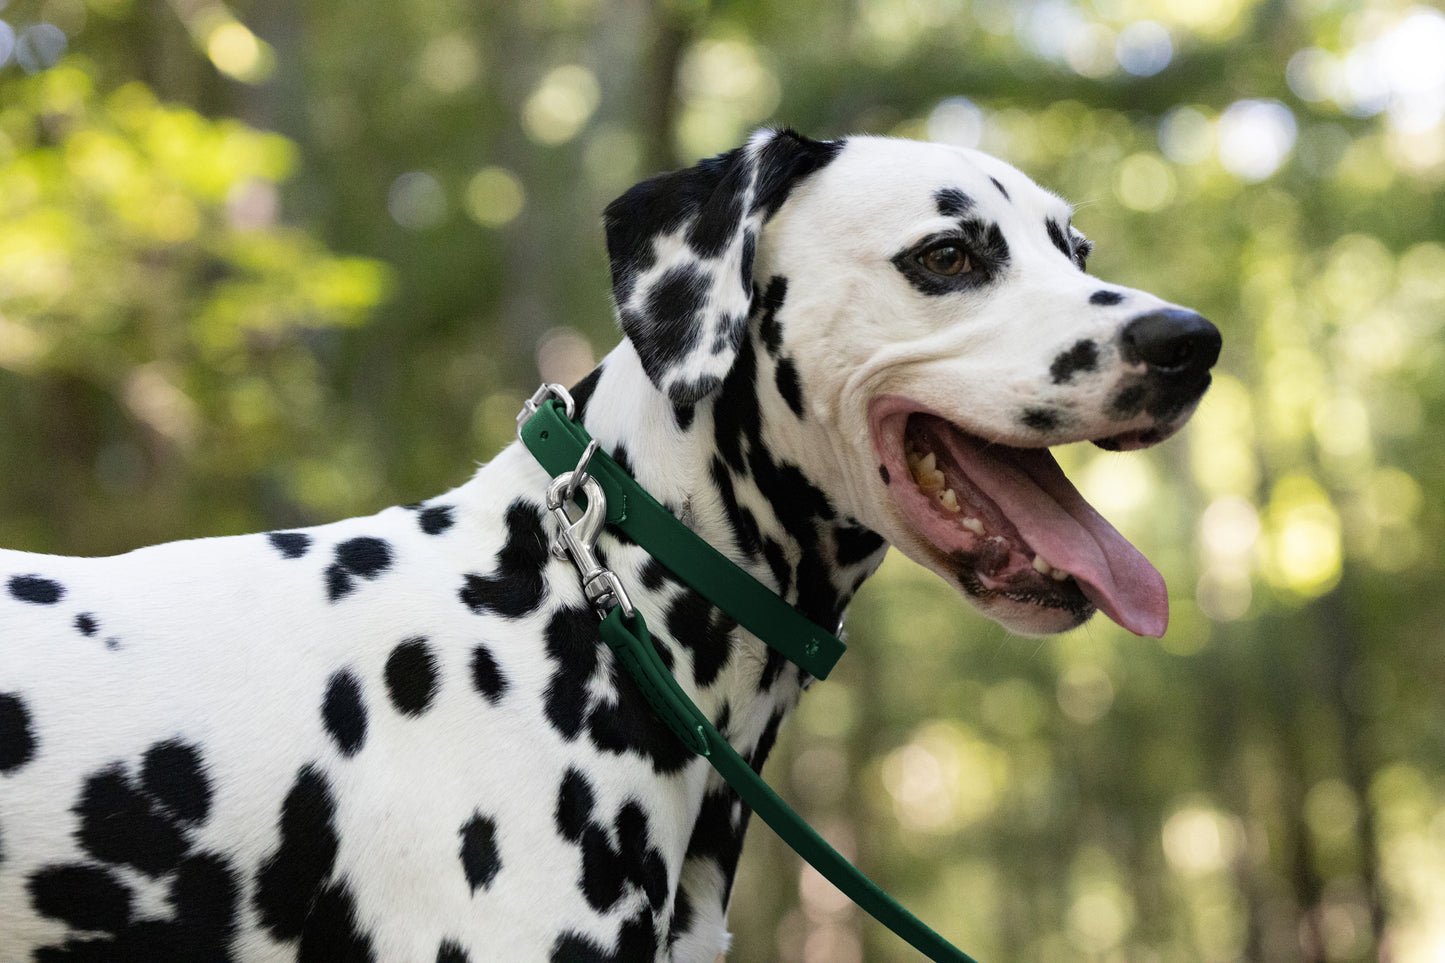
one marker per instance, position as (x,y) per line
(274,263)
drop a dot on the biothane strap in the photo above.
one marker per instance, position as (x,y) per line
(558,442)
(543,433)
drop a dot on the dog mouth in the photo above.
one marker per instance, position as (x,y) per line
(1007,524)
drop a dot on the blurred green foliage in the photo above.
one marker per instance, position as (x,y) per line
(273,263)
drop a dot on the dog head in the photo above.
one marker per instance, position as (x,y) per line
(930,307)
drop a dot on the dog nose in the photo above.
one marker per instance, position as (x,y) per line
(1173,342)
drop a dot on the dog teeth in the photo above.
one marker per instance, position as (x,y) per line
(926,473)
(1042,566)
(973,525)
(949,501)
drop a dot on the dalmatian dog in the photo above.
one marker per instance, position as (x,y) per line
(399,738)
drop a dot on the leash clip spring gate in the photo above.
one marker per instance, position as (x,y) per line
(577,539)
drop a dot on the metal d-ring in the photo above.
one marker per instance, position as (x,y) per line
(580,472)
(547,390)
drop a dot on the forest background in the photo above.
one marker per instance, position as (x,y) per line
(269,263)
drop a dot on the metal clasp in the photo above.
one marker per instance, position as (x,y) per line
(578,538)
(547,390)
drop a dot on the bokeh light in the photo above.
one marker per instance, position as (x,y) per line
(1255,137)
(957,121)
(560,106)
(495,197)
(7,42)
(416,201)
(1144,48)
(39,46)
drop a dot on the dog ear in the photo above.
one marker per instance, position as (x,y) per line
(681,247)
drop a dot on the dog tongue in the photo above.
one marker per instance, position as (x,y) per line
(1032,491)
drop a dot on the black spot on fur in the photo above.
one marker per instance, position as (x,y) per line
(575,800)
(608,871)
(683,414)
(716,836)
(517,587)
(1105,297)
(670,326)
(411,676)
(682,917)
(331,933)
(786,159)
(637,940)
(602,878)
(1000,187)
(364,556)
(717,223)
(171,772)
(572,641)
(290,544)
(624,723)
(750,247)
(1128,402)
(766,741)
(883,474)
(623,459)
(338,582)
(480,859)
(292,877)
(683,394)
(17,740)
(654,575)
(205,894)
(705,630)
(642,863)
(1058,238)
(86,625)
(631,725)
(952,202)
(744,524)
(436,519)
(777,557)
(452,952)
(202,896)
(769,328)
(1040,419)
(1083,356)
(120,824)
(582,392)
(487,676)
(856,543)
(789,386)
(85,897)
(343,712)
(33,588)
(772,668)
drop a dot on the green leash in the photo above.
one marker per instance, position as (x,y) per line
(612,497)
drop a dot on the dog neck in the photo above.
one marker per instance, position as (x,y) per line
(716,466)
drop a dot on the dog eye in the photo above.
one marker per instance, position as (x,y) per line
(946,259)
